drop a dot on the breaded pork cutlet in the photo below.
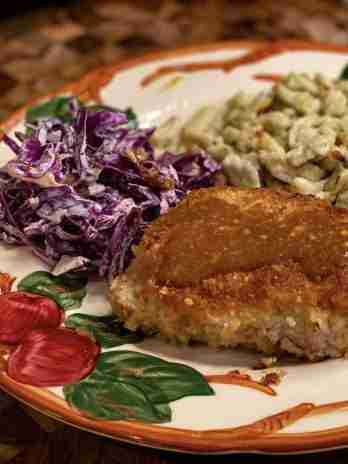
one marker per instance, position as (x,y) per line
(236,267)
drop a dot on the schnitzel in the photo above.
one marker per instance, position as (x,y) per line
(231,267)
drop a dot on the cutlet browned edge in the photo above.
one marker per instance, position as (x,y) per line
(203,310)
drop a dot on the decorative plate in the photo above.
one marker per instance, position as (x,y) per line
(144,391)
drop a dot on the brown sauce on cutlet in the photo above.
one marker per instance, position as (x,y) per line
(207,236)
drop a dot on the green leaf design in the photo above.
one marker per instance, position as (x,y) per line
(132,118)
(160,380)
(57,107)
(114,400)
(107,330)
(134,386)
(344,72)
(67,290)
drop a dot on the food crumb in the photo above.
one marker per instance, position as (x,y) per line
(271,378)
(266,362)
(242,375)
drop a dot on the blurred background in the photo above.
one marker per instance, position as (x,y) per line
(45,44)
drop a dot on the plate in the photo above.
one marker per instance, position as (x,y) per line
(218,402)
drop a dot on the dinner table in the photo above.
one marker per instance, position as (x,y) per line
(53,43)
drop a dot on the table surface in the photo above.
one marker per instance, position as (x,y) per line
(44,49)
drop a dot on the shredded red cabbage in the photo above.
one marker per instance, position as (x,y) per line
(87,187)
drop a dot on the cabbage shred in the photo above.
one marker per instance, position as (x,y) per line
(87,184)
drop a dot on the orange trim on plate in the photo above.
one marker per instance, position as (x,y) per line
(254,55)
(258,436)
(93,81)
(243,380)
(223,440)
(268,77)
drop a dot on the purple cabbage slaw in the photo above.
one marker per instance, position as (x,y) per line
(83,191)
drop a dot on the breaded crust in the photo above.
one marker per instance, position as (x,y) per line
(243,267)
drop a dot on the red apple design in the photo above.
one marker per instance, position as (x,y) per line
(21,312)
(53,357)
